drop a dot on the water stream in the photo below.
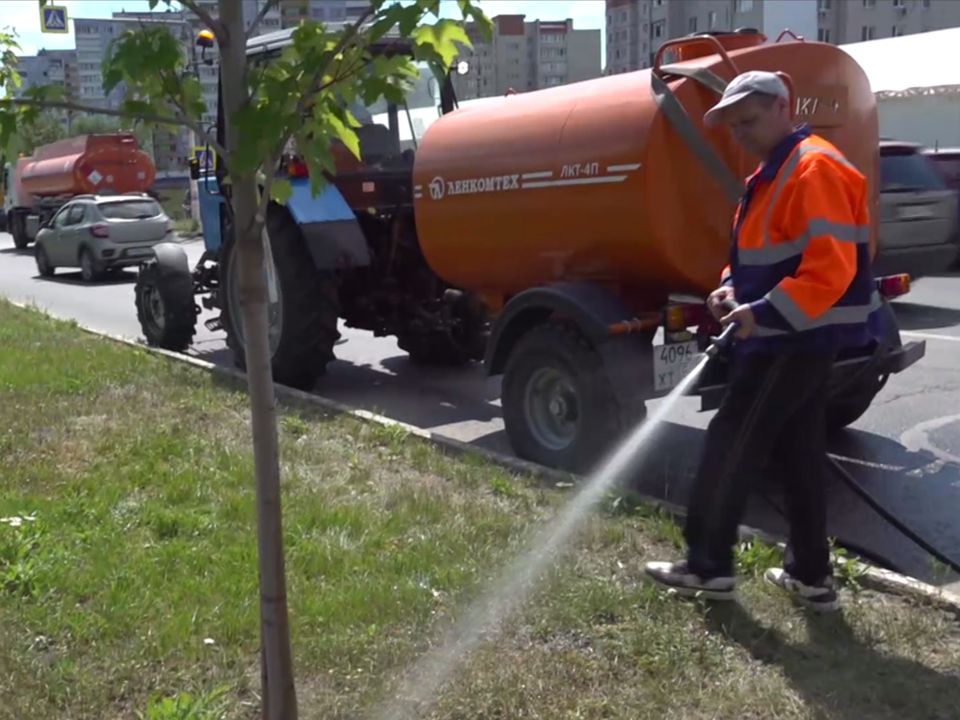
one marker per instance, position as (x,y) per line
(482,620)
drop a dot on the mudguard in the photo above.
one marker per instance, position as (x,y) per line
(171,260)
(330,227)
(592,309)
(175,281)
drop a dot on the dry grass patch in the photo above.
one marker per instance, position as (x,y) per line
(133,575)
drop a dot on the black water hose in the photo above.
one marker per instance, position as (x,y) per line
(858,550)
(905,530)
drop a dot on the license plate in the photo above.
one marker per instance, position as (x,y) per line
(915,213)
(137,252)
(672,362)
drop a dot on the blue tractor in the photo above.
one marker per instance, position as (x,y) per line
(350,253)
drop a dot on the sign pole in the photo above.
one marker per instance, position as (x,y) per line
(194,185)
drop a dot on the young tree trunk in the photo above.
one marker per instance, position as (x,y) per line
(279,693)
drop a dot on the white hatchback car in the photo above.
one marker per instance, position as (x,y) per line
(99,233)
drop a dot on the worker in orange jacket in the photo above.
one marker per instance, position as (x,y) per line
(800,277)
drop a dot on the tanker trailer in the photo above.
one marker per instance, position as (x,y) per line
(593,219)
(111,164)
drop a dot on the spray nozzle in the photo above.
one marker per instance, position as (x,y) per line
(723,340)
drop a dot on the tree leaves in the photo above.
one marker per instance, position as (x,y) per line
(281,191)
(438,43)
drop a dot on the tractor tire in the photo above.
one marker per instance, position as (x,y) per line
(165,308)
(309,305)
(557,353)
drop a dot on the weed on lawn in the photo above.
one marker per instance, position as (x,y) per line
(128,580)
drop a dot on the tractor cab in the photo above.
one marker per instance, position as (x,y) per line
(388,136)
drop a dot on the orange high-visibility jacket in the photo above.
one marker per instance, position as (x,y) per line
(800,254)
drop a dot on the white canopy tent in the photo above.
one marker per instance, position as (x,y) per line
(917,82)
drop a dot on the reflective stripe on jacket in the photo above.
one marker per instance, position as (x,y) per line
(800,254)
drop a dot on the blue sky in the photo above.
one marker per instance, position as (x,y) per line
(24,15)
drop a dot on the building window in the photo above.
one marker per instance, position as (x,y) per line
(658,28)
(712,20)
(658,3)
(744,5)
(692,24)
(823,4)
(869,3)
(897,4)
(823,35)
(897,31)
(926,4)
(868,32)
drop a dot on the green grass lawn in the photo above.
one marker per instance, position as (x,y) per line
(128,572)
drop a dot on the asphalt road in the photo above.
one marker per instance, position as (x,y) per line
(905,450)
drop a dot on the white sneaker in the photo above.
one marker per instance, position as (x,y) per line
(821,597)
(678,578)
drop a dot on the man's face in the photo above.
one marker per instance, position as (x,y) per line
(758,124)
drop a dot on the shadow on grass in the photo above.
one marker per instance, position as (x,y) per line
(839,675)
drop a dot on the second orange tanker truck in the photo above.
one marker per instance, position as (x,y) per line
(40,184)
(567,237)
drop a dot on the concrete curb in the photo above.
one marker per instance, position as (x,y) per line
(870,577)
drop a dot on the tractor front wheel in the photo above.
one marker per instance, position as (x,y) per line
(165,307)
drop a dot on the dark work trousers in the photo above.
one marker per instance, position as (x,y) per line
(775,407)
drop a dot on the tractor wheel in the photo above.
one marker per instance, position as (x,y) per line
(165,308)
(303,304)
(559,407)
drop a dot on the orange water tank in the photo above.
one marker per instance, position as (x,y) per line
(591,181)
(88,164)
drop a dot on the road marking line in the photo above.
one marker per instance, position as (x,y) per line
(575,181)
(931,336)
(622,168)
(537,175)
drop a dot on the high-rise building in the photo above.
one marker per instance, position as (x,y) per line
(93,36)
(526,55)
(637,28)
(50,67)
(293,11)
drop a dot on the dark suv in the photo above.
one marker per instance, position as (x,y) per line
(918,214)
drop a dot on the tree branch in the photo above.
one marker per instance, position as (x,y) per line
(155,119)
(268,6)
(216,27)
(348,36)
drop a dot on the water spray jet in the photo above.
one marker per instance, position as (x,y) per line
(486,614)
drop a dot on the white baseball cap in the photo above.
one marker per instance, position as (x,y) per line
(744,85)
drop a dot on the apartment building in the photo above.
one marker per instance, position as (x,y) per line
(293,11)
(637,28)
(50,67)
(527,55)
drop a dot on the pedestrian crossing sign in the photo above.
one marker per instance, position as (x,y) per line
(53,19)
(204,157)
